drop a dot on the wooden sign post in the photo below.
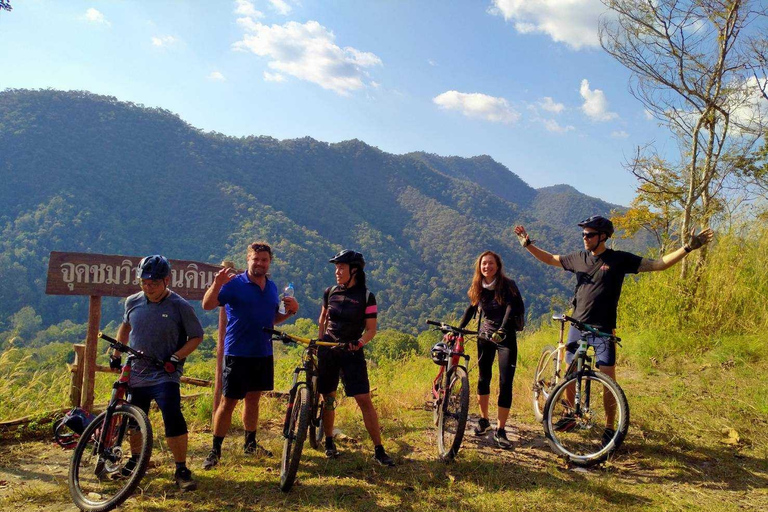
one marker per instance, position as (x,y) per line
(221,333)
(100,275)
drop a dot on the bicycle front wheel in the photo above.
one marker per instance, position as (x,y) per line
(102,476)
(295,435)
(590,431)
(544,380)
(316,426)
(452,414)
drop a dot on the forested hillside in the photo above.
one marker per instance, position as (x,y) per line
(90,173)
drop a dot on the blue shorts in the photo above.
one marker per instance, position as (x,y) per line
(168,398)
(605,350)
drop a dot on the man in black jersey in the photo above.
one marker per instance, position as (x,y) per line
(599,276)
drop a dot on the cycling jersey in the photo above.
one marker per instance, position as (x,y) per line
(347,310)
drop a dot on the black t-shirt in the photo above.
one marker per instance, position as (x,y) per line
(598,286)
(347,311)
(494,313)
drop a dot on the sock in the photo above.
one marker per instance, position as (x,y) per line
(379,449)
(181,466)
(217,444)
(250,437)
(328,441)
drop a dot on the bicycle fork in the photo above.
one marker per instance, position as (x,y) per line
(295,386)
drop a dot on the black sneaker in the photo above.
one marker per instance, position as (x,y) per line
(482,427)
(257,449)
(211,460)
(500,436)
(184,479)
(382,458)
(129,468)
(565,424)
(331,451)
(608,434)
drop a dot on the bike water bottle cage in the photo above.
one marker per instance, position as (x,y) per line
(153,267)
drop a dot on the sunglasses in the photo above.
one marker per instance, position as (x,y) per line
(261,248)
(585,234)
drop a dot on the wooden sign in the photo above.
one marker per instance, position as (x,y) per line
(77,273)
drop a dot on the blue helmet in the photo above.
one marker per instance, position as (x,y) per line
(153,267)
(598,223)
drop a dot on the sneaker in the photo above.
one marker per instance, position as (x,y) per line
(129,468)
(211,460)
(565,424)
(382,458)
(257,449)
(331,452)
(500,436)
(184,479)
(608,434)
(482,427)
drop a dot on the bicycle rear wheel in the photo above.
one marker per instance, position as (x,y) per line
(544,380)
(101,476)
(298,422)
(579,433)
(452,414)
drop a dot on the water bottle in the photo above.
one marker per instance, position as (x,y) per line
(288,292)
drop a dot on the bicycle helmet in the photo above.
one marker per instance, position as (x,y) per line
(352,258)
(599,223)
(439,353)
(153,267)
(67,430)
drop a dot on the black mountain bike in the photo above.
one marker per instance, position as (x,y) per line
(450,389)
(101,474)
(586,416)
(305,406)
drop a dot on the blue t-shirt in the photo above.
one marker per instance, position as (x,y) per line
(249,309)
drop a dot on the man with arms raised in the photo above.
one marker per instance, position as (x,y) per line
(599,276)
(251,301)
(161,324)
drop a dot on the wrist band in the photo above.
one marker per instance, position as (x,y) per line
(528,242)
(687,248)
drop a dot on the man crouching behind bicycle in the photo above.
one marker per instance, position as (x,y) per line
(348,315)
(599,277)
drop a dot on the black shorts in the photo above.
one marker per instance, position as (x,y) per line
(350,366)
(168,398)
(242,375)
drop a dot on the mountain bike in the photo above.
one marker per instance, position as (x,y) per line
(113,452)
(450,389)
(549,371)
(305,406)
(586,416)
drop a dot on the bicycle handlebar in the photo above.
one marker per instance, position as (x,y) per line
(449,328)
(287,338)
(586,327)
(121,347)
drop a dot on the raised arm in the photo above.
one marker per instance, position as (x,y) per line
(211,298)
(666,261)
(540,254)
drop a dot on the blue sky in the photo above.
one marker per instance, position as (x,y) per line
(523,81)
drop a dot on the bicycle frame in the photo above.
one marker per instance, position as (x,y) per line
(309,368)
(456,344)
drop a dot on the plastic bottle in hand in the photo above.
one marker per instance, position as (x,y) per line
(288,292)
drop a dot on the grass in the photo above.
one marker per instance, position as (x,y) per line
(675,457)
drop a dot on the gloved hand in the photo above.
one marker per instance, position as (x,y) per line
(702,238)
(499,336)
(522,236)
(171,363)
(115,362)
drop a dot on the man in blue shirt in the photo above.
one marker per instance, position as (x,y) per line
(251,302)
(161,324)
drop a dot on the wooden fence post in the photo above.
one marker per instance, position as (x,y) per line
(76,388)
(221,333)
(91,344)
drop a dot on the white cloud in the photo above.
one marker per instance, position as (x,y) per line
(216,76)
(96,17)
(281,6)
(553,126)
(308,52)
(163,41)
(431,62)
(619,134)
(247,9)
(750,108)
(551,105)
(273,77)
(648,114)
(595,105)
(573,22)
(478,106)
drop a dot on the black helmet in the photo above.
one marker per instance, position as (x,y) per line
(598,223)
(352,258)
(439,353)
(153,267)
